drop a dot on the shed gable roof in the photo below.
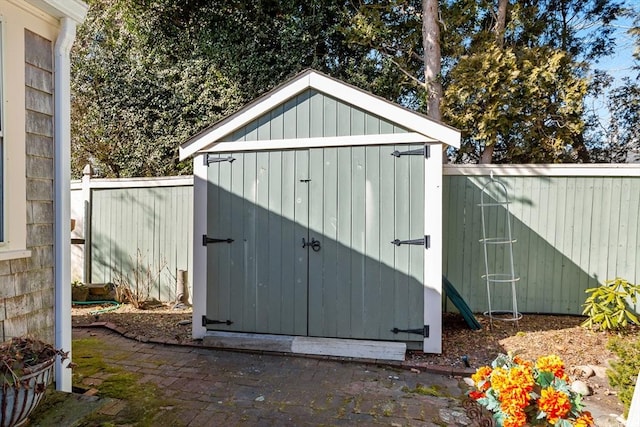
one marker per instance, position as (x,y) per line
(239,131)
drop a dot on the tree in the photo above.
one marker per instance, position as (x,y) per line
(488,49)
(148,74)
(432,57)
(130,110)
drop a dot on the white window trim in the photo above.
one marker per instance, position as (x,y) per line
(13,244)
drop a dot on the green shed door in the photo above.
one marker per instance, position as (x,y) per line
(361,285)
(258,281)
(345,205)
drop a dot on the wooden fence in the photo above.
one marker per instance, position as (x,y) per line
(139,229)
(575,226)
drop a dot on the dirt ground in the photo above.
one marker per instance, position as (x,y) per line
(531,337)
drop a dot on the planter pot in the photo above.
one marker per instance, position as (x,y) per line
(17,402)
(79,293)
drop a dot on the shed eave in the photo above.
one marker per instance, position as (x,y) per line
(334,141)
(310,79)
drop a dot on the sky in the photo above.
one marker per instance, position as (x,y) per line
(620,63)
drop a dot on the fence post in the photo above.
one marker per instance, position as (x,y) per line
(87,173)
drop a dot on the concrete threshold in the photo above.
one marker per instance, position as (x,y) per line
(338,347)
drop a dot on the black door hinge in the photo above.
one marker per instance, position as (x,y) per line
(424,331)
(206,240)
(206,322)
(208,159)
(426,242)
(425,151)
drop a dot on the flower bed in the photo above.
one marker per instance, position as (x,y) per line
(521,393)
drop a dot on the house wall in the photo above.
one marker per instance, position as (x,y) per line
(27,280)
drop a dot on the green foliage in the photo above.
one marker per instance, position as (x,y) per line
(610,306)
(623,373)
(149,74)
(526,101)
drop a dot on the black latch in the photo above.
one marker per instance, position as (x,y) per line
(424,331)
(206,322)
(426,242)
(206,240)
(208,159)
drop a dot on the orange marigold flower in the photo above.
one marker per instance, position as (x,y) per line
(555,404)
(499,379)
(475,394)
(513,400)
(481,374)
(520,361)
(584,420)
(522,376)
(553,364)
(517,419)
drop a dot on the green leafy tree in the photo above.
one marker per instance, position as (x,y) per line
(130,109)
(488,49)
(148,74)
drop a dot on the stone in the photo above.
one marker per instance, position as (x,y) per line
(580,387)
(585,371)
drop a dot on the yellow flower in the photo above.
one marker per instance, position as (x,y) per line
(584,420)
(499,379)
(553,364)
(480,378)
(513,400)
(554,403)
(517,419)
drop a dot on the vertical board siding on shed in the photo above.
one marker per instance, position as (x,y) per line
(148,227)
(313,115)
(355,201)
(572,234)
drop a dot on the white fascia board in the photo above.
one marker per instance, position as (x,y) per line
(334,141)
(590,169)
(250,113)
(385,109)
(73,9)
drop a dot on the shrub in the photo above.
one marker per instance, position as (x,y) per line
(623,373)
(608,306)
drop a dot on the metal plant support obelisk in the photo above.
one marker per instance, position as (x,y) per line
(494,204)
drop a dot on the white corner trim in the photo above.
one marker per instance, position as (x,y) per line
(73,9)
(334,141)
(199,285)
(433,255)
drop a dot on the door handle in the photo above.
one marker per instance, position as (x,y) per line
(313,244)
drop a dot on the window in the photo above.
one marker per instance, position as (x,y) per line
(13,183)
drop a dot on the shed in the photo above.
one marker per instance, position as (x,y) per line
(318,223)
